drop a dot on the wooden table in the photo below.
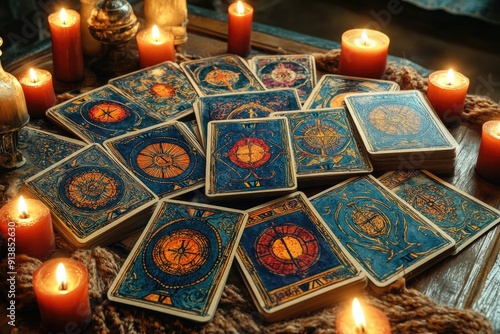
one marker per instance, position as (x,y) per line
(470,279)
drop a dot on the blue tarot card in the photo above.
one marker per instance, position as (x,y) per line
(288,255)
(180,263)
(91,194)
(221,74)
(460,215)
(100,114)
(42,149)
(383,233)
(331,90)
(398,122)
(286,71)
(164,89)
(325,145)
(244,105)
(249,156)
(166,158)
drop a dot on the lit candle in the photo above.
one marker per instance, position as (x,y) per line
(240,17)
(363,53)
(28,224)
(155,46)
(67,56)
(358,320)
(62,292)
(446,93)
(488,159)
(38,91)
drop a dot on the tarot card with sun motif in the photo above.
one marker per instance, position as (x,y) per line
(286,71)
(249,157)
(243,105)
(94,200)
(325,145)
(221,74)
(291,262)
(460,215)
(100,114)
(164,89)
(166,158)
(383,233)
(181,261)
(331,89)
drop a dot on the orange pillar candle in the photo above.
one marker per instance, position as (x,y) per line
(365,320)
(38,91)
(446,93)
(67,56)
(155,46)
(62,293)
(28,224)
(240,17)
(488,159)
(363,53)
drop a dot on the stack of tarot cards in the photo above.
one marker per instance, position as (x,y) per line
(401,131)
(291,262)
(93,199)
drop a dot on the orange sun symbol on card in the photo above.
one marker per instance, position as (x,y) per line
(163,90)
(108,112)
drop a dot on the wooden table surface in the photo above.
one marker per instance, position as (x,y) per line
(470,279)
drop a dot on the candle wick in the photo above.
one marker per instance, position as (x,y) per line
(360,329)
(24,215)
(63,286)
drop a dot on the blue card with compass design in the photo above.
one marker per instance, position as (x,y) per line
(166,158)
(460,215)
(325,145)
(100,114)
(398,122)
(286,71)
(93,198)
(164,89)
(249,157)
(291,261)
(243,105)
(221,74)
(181,261)
(384,234)
(331,89)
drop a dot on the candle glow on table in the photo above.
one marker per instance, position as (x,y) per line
(240,17)
(362,320)
(155,46)
(446,93)
(67,55)
(61,290)
(38,91)
(29,224)
(488,159)
(363,53)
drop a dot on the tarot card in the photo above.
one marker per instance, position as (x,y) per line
(460,215)
(43,149)
(383,233)
(181,261)
(221,74)
(286,71)
(100,114)
(325,145)
(399,122)
(243,105)
(290,260)
(331,90)
(166,158)
(92,197)
(249,157)
(164,89)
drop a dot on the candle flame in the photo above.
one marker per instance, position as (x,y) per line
(450,77)
(357,313)
(240,9)
(63,16)
(364,37)
(155,32)
(22,207)
(62,281)
(33,76)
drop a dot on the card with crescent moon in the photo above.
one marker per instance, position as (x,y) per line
(181,261)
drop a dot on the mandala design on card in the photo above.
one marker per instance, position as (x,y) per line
(105,114)
(224,77)
(321,137)
(163,160)
(430,201)
(249,153)
(284,74)
(162,90)
(396,120)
